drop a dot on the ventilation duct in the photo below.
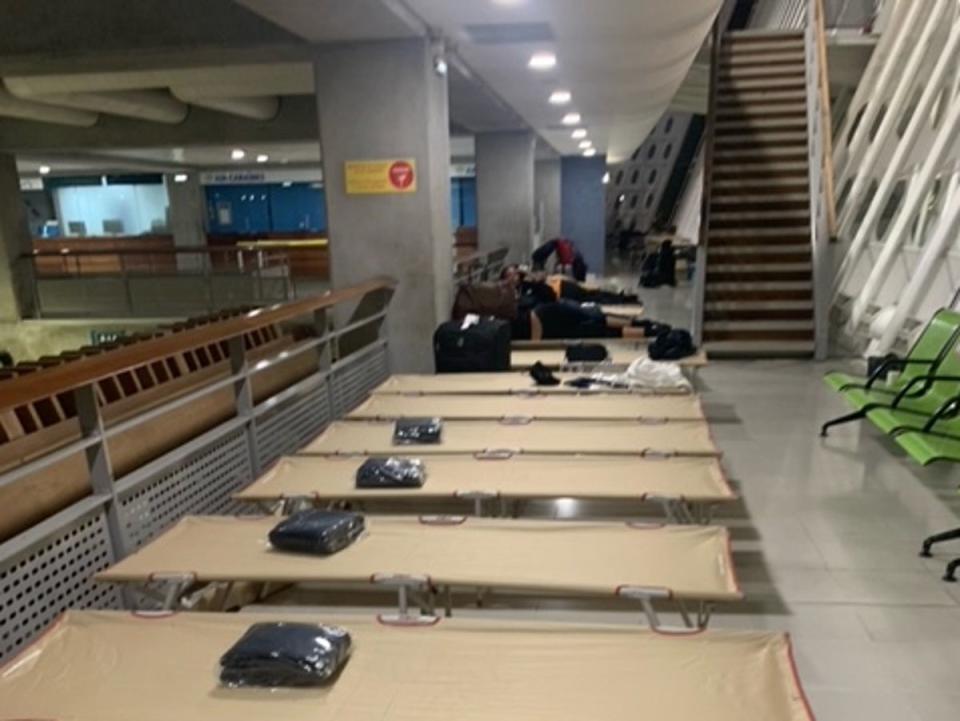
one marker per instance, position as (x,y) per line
(255,108)
(155,105)
(14,107)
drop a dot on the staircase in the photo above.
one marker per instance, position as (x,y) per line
(758,293)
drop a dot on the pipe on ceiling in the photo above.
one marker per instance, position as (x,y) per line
(255,108)
(14,107)
(158,106)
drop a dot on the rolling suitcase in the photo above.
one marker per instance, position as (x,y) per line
(478,347)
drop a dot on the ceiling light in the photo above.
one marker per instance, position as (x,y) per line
(180,178)
(571,118)
(507,3)
(606,178)
(44,170)
(584,144)
(560,97)
(263,158)
(543,61)
(589,152)
(579,134)
(286,183)
(238,154)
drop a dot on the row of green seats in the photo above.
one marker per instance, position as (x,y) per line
(919,408)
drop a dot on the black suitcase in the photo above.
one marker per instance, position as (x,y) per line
(479,348)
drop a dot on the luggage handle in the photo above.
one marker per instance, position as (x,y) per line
(494,454)
(441,520)
(516,420)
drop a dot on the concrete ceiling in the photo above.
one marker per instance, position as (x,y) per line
(197,77)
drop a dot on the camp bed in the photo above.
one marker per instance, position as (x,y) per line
(686,487)
(933,353)
(421,555)
(620,355)
(546,407)
(502,384)
(690,438)
(115,666)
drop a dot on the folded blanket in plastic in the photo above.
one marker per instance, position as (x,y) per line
(642,373)
(282,655)
(417,431)
(391,472)
(317,532)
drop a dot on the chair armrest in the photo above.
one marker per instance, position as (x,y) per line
(893,363)
(949,408)
(905,391)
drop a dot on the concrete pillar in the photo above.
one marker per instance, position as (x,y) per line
(505,192)
(378,101)
(186,218)
(16,276)
(582,217)
(546,179)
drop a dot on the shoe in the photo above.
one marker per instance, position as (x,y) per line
(542,376)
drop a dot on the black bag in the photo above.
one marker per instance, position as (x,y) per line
(651,328)
(317,532)
(391,473)
(479,348)
(417,431)
(586,352)
(673,345)
(285,655)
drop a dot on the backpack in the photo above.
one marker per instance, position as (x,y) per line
(673,345)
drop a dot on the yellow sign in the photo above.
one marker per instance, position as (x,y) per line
(375,177)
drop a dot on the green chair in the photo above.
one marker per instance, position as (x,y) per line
(910,412)
(930,355)
(936,439)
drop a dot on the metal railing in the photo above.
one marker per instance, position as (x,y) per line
(479,267)
(155,282)
(50,566)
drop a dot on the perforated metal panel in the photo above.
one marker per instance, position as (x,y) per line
(293,425)
(201,485)
(357,376)
(39,584)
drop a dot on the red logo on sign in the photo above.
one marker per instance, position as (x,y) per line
(401,175)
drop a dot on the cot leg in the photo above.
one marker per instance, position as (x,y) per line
(856,416)
(650,612)
(930,542)
(685,615)
(951,575)
(448,601)
(703,614)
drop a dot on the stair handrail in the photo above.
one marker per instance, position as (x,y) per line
(822,207)
(709,130)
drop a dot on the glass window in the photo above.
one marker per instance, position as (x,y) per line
(856,122)
(877,121)
(634,200)
(864,206)
(636,153)
(845,192)
(634,176)
(649,201)
(931,210)
(619,177)
(667,150)
(909,111)
(890,209)
(939,107)
(652,176)
(668,126)
(652,151)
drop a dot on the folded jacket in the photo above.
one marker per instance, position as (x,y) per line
(417,431)
(317,532)
(391,473)
(278,655)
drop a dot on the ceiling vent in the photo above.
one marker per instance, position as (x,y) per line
(509,33)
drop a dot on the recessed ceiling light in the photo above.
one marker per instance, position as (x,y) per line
(579,134)
(571,118)
(180,178)
(507,3)
(560,97)
(263,158)
(238,154)
(543,61)
(286,183)
(584,144)
(606,178)
(44,170)
(589,152)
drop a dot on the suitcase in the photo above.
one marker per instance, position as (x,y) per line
(485,299)
(478,348)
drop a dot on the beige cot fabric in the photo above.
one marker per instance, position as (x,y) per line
(332,478)
(500,384)
(114,666)
(540,436)
(572,558)
(467,407)
(620,355)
